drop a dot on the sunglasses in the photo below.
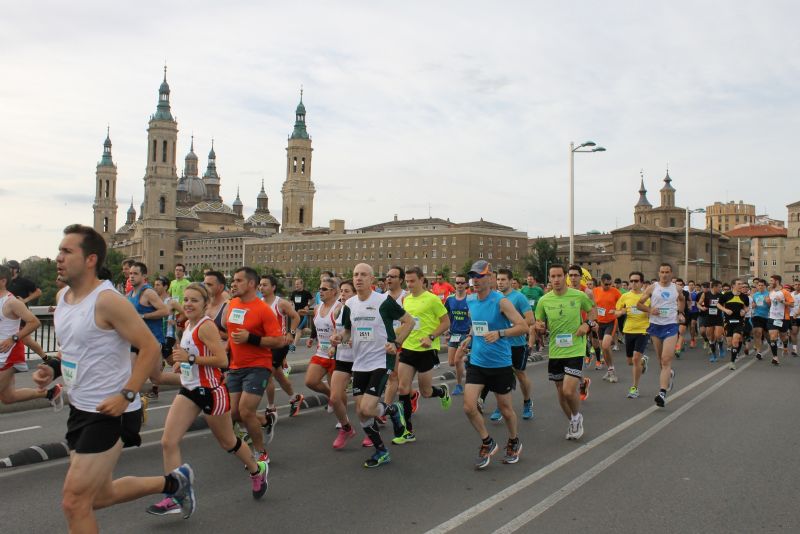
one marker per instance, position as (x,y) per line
(326,289)
(461,282)
(635,281)
(392,276)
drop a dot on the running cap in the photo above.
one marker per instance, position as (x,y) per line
(12,264)
(480,267)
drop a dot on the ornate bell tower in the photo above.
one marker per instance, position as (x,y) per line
(298,189)
(105,198)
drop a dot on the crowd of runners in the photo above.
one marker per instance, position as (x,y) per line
(224,342)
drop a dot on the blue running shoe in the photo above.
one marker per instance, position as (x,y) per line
(378,459)
(496,415)
(398,419)
(458,390)
(527,410)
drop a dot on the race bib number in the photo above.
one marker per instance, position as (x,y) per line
(365,333)
(563,340)
(455,338)
(480,328)
(760,301)
(601,312)
(633,310)
(777,322)
(186,370)
(712,311)
(416,323)
(69,371)
(237,316)
(532,303)
(298,299)
(663,312)
(324,346)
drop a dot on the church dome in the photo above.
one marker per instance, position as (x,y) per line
(195,188)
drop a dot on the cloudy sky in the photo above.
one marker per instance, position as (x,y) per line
(462,108)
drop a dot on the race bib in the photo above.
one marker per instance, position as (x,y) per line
(713,311)
(777,322)
(601,312)
(663,312)
(324,346)
(733,321)
(298,299)
(416,323)
(563,340)
(365,333)
(69,371)
(455,338)
(532,303)
(760,301)
(633,310)
(480,328)
(186,370)
(237,316)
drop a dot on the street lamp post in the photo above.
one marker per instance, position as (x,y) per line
(572,149)
(686,257)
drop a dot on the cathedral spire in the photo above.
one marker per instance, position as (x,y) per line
(163,109)
(262,201)
(643,202)
(106,159)
(300,120)
(211,178)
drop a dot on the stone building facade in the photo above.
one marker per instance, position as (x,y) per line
(725,216)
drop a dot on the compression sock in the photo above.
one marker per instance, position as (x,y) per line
(171,484)
(773,347)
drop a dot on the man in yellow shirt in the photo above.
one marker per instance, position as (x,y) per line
(635,330)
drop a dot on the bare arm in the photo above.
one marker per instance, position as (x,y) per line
(518,324)
(209,335)
(33,296)
(643,299)
(152,299)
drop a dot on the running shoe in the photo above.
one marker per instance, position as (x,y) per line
(584,387)
(480,405)
(607,376)
(292,347)
(633,392)
(446,400)
(185,494)
(295,404)
(407,437)
(575,428)
(398,419)
(645,361)
(329,407)
(759,356)
(414,401)
(152,394)
(259,480)
(496,415)
(615,347)
(287,368)
(732,366)
(378,459)
(166,506)
(661,399)
(598,365)
(692,344)
(671,380)
(513,449)
(263,456)
(587,361)
(713,358)
(343,437)
(678,353)
(612,378)
(458,390)
(366,442)
(775,361)
(527,409)
(269,427)
(485,453)
(55,398)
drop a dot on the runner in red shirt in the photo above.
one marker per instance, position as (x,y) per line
(442,288)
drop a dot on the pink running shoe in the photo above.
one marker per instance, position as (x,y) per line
(367,442)
(343,438)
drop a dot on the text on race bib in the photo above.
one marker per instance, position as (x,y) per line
(663,312)
(601,312)
(712,311)
(633,310)
(69,370)
(480,328)
(324,345)
(237,316)
(416,323)
(563,340)
(777,322)
(298,299)
(455,338)
(532,303)
(365,333)
(186,370)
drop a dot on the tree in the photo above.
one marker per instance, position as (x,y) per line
(41,272)
(543,254)
(466,267)
(114,264)
(446,272)
(309,276)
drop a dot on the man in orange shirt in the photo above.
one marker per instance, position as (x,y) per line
(253,331)
(605,299)
(442,288)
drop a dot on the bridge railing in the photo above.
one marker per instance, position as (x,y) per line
(45,335)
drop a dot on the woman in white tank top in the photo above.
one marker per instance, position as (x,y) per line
(343,371)
(323,326)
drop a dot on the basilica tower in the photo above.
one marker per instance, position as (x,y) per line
(105,197)
(298,189)
(160,187)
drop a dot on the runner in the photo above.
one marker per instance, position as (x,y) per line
(693,313)
(302,300)
(253,331)
(795,316)
(442,288)
(666,311)
(760,318)
(198,358)
(26,291)
(420,350)
(733,305)
(533,292)
(635,330)
(180,283)
(460,325)
(289,322)
(605,299)
(494,321)
(322,363)
(214,282)
(575,274)
(366,320)
(395,278)
(95,327)
(780,306)
(342,374)
(684,325)
(559,311)
(713,319)
(520,349)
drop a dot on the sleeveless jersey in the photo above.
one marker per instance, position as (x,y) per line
(344,353)
(155,325)
(198,376)
(281,317)
(95,363)
(665,300)
(8,326)
(325,327)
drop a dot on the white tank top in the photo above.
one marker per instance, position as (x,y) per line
(665,300)
(325,327)
(95,363)
(344,353)
(8,326)
(195,376)
(281,317)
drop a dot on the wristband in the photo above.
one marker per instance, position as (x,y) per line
(55,365)
(254,340)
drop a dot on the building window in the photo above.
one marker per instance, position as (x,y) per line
(480,255)
(653,246)
(303,166)
(480,241)
(105,224)
(161,253)
(155,146)
(672,221)
(302,215)
(160,266)
(164,152)
(708,247)
(162,205)
(774,263)
(490,255)
(294,164)
(765,263)
(639,246)
(623,246)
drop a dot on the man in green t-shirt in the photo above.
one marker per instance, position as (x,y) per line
(180,283)
(533,292)
(559,311)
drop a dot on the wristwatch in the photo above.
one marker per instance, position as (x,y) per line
(431,337)
(591,324)
(129,395)
(192,359)
(501,333)
(397,344)
(15,338)
(292,332)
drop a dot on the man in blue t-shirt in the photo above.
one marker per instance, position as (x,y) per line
(760,308)
(458,312)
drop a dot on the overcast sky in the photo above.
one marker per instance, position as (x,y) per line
(462,108)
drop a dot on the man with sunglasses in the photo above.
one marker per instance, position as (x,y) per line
(395,278)
(635,330)
(442,288)
(494,321)
(460,325)
(559,311)
(605,299)
(575,275)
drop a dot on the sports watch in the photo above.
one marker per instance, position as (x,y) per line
(129,395)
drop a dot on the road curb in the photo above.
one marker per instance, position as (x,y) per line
(36,454)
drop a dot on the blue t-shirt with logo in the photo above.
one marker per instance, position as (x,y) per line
(458,312)
(487,317)
(760,300)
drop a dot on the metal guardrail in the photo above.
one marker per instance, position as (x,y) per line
(45,335)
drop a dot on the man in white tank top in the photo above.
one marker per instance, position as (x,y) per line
(96,326)
(666,310)
(12,353)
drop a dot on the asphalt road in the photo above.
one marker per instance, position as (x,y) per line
(721,457)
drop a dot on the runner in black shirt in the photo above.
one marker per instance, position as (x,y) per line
(301,300)
(733,305)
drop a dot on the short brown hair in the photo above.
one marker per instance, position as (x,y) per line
(92,243)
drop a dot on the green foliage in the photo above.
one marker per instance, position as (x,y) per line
(43,273)
(309,276)
(114,264)
(466,267)
(543,254)
(446,272)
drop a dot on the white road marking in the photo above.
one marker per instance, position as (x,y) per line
(532,513)
(500,496)
(20,429)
